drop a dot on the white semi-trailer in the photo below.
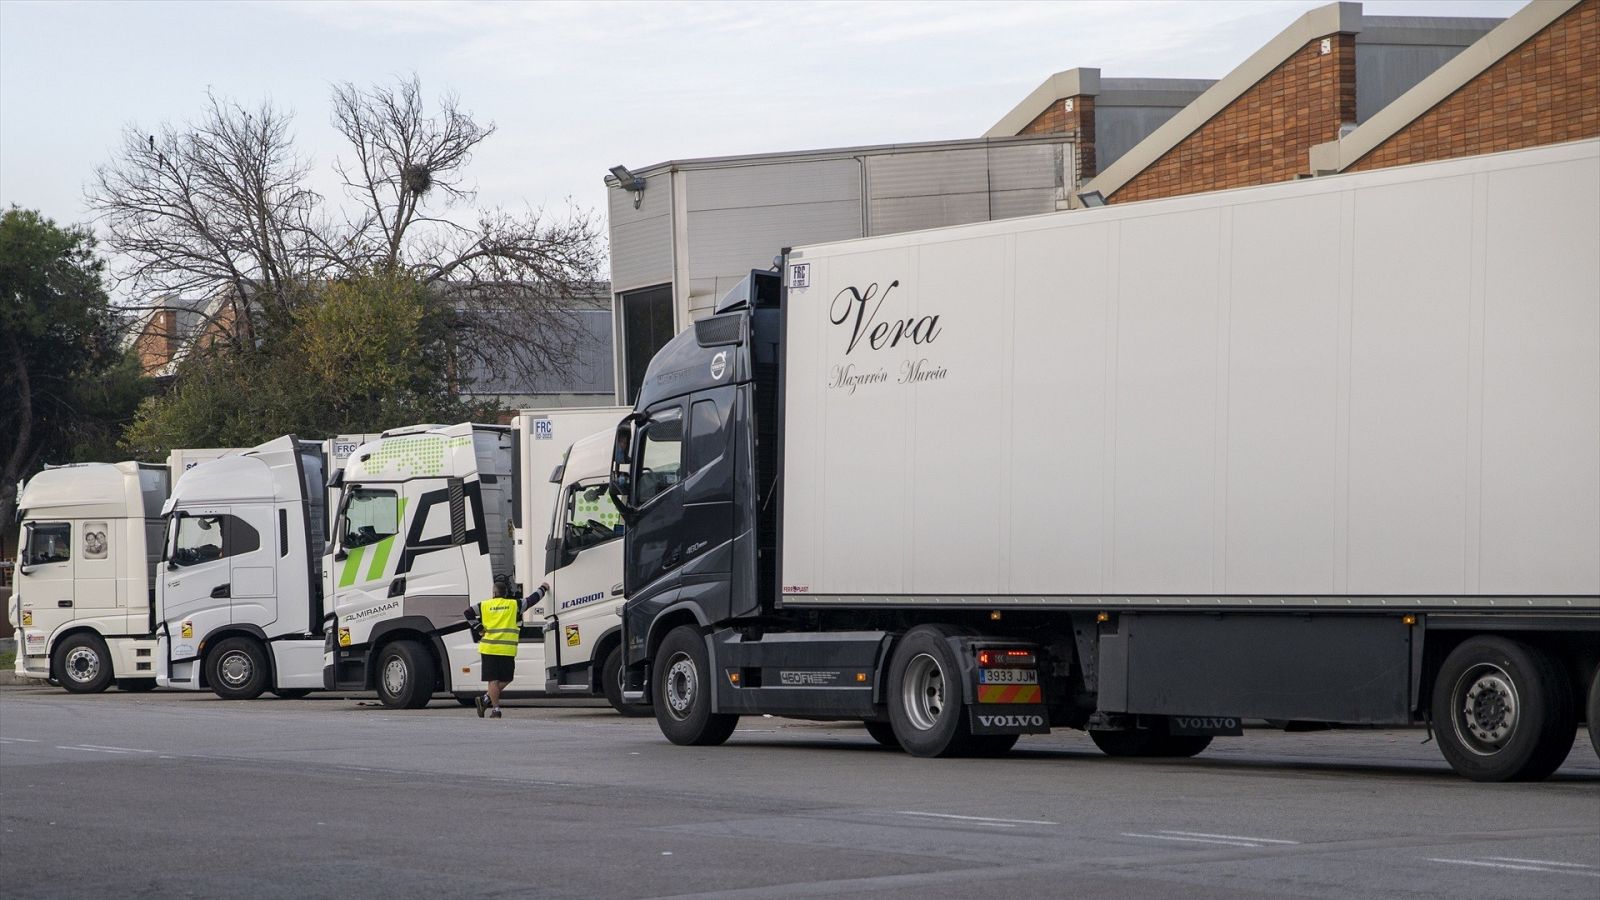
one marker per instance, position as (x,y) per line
(81,601)
(1319,452)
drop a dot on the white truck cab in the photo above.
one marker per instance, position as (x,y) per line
(81,604)
(239,591)
(583,556)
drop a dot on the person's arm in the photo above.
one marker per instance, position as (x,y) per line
(536,597)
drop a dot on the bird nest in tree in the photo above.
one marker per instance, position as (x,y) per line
(417,179)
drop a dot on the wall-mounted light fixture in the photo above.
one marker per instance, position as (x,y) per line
(1092,199)
(629,182)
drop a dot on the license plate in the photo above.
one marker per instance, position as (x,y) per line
(1008,676)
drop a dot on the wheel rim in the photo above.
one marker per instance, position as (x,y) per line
(394,675)
(922,692)
(83,665)
(682,682)
(236,668)
(1487,709)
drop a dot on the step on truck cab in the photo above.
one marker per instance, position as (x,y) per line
(424,525)
(1130,470)
(239,594)
(81,603)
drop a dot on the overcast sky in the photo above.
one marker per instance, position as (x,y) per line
(577,88)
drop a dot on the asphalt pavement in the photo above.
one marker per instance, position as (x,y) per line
(182,795)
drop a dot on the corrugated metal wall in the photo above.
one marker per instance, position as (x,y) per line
(641,239)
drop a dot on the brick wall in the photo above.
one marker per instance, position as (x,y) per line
(1264,135)
(1544,92)
(157,342)
(1078,122)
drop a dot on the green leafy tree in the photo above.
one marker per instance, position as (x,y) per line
(66,387)
(370,353)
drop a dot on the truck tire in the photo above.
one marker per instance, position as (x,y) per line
(1131,743)
(405,676)
(291,693)
(992,744)
(611,686)
(236,669)
(925,705)
(883,733)
(136,685)
(83,664)
(1593,712)
(1502,711)
(681,688)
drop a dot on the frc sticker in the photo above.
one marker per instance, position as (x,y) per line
(800,275)
(573,638)
(543,430)
(186,630)
(344,636)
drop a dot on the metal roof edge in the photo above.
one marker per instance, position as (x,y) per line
(1068,83)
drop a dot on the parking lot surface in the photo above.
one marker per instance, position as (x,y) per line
(180,795)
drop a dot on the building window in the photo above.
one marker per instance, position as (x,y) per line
(646,328)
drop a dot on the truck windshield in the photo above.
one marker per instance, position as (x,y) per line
(48,542)
(369,517)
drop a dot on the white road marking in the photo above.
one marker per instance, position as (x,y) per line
(930,815)
(1542,862)
(1191,840)
(108,747)
(1548,868)
(1229,837)
(93,750)
(18,740)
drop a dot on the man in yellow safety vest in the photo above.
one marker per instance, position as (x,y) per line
(499,621)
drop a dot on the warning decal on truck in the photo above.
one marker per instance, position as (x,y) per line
(1008,693)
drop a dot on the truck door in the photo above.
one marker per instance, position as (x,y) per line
(655,550)
(47,568)
(586,572)
(252,541)
(195,581)
(94,571)
(365,561)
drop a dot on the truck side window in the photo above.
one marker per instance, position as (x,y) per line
(661,458)
(199,540)
(706,438)
(591,518)
(370,517)
(49,542)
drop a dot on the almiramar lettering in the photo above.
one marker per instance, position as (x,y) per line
(859,310)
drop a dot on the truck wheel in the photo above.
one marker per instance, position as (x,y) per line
(1593,714)
(83,664)
(1180,746)
(883,733)
(925,704)
(237,669)
(681,688)
(405,676)
(611,686)
(136,685)
(291,693)
(1502,711)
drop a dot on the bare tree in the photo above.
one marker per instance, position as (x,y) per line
(221,206)
(217,206)
(510,280)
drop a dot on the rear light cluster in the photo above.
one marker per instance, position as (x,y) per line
(1020,658)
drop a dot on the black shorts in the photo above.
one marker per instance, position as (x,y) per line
(499,668)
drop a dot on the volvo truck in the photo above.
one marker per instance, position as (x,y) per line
(81,603)
(1323,452)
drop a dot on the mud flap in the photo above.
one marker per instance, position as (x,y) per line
(1008,718)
